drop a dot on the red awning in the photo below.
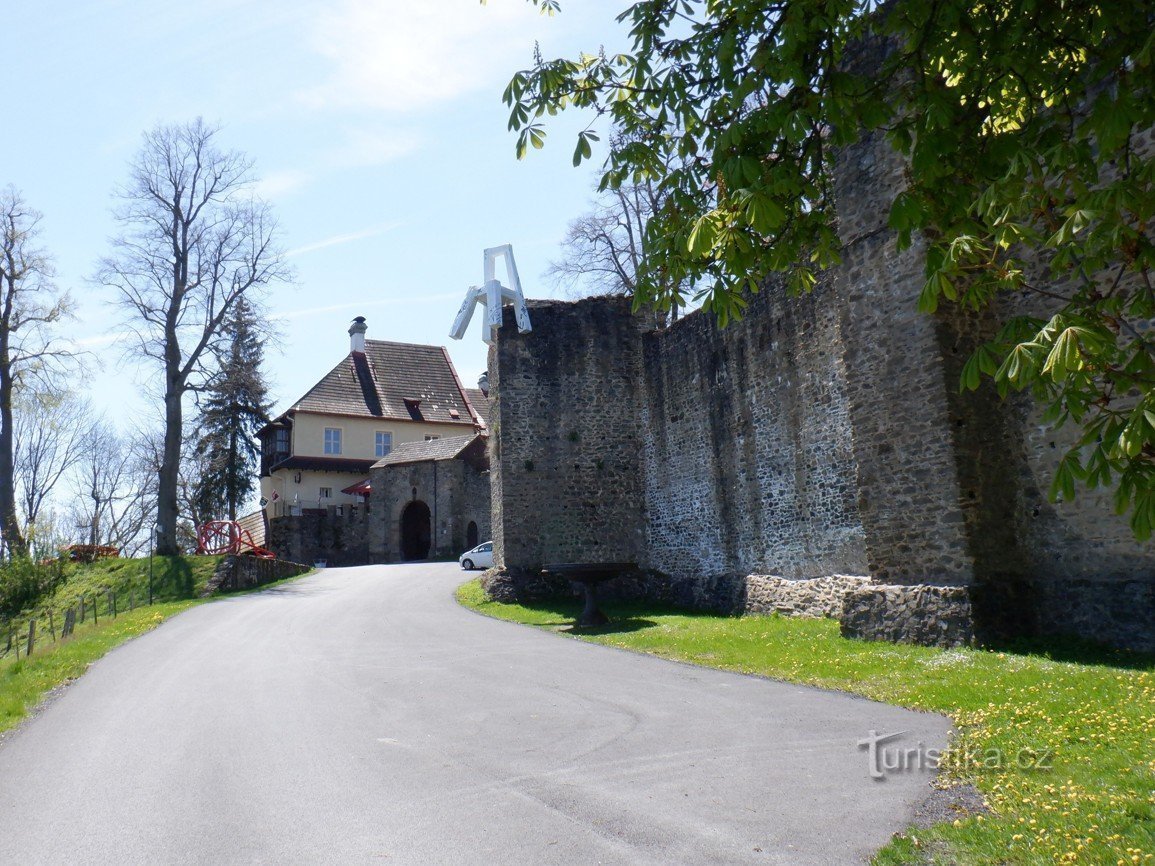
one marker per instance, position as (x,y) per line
(361,488)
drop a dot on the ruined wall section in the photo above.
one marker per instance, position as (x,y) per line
(565,402)
(748,459)
(908,484)
(953,486)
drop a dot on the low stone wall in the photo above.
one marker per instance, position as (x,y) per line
(338,537)
(816,597)
(723,594)
(921,614)
(526,586)
(247,572)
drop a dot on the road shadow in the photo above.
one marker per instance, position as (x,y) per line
(614,626)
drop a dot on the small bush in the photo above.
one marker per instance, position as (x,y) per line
(23,583)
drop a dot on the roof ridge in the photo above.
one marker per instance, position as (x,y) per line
(403,343)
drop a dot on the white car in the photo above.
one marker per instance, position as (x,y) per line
(480,557)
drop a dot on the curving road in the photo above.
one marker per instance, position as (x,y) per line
(361,716)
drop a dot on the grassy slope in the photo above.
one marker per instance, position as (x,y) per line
(174,577)
(1094,719)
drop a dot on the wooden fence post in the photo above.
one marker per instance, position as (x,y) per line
(31,636)
(52,625)
(95,606)
(112,602)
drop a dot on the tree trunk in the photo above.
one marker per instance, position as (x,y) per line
(94,529)
(9,524)
(168,481)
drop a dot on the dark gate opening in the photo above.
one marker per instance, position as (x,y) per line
(415,531)
(471,535)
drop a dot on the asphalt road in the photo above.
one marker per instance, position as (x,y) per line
(361,716)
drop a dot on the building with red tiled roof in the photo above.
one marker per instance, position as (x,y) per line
(378,397)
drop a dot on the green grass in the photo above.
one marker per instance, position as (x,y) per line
(174,577)
(1089,714)
(24,683)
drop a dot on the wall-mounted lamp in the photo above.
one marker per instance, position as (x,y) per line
(297,478)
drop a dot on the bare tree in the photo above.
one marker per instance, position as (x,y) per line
(51,434)
(194,241)
(114,487)
(602,249)
(30,304)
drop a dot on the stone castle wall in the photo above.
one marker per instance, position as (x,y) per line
(339,536)
(822,435)
(567,436)
(746,449)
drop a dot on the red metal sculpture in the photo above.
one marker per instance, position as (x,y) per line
(229,537)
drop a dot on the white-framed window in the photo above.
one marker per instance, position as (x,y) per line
(332,440)
(326,492)
(429,437)
(384,443)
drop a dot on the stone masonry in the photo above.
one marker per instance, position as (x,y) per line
(337,535)
(822,435)
(456,492)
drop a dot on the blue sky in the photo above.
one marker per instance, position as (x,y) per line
(376,127)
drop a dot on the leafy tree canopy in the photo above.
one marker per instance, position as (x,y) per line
(1027,129)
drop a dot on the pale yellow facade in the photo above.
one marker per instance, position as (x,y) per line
(298,489)
(359,435)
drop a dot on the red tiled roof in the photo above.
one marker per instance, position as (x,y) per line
(402,381)
(479,402)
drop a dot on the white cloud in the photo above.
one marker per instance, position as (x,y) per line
(101,340)
(281,183)
(337,240)
(365,148)
(403,55)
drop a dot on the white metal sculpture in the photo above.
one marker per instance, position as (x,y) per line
(490,295)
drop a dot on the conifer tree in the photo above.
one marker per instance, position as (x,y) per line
(236,406)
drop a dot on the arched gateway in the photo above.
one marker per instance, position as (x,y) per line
(416,533)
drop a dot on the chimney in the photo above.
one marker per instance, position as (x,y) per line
(357,335)
(483,383)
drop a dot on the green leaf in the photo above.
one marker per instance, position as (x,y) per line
(703,235)
(764,214)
